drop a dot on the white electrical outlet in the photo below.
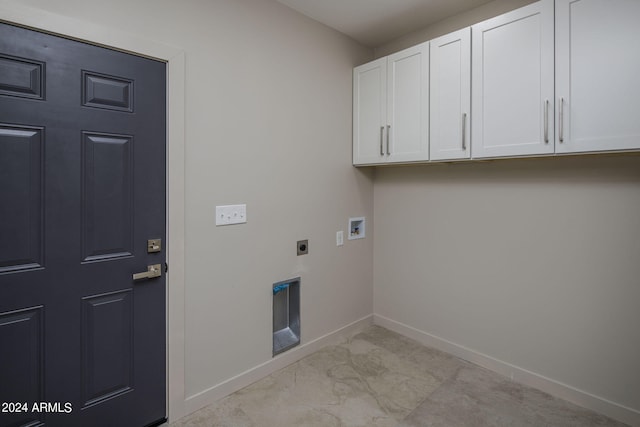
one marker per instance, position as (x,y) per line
(340,238)
(231,214)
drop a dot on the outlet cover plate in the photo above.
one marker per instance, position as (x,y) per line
(302,247)
(231,214)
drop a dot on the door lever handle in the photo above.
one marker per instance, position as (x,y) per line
(154,270)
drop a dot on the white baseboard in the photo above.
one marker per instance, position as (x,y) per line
(581,398)
(209,396)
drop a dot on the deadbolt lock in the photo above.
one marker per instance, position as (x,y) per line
(154,245)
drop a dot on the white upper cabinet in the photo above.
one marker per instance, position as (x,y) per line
(552,77)
(369,112)
(513,83)
(597,75)
(450,96)
(391,108)
(408,104)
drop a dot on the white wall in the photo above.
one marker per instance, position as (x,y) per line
(456,22)
(268,123)
(534,263)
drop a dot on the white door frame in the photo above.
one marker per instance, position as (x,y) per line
(12,12)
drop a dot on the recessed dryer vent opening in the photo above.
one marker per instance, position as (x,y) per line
(286,315)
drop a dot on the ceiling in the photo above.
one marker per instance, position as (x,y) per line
(375,22)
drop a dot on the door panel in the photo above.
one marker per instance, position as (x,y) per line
(22,367)
(107,346)
(107,199)
(21,77)
(21,177)
(111,93)
(82,163)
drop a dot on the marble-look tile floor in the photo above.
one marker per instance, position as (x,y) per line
(380,378)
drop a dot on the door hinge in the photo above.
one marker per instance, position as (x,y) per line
(166,267)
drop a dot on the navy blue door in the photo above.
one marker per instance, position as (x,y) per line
(82,190)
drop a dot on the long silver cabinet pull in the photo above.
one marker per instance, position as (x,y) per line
(381,147)
(464,131)
(388,132)
(561,136)
(546,121)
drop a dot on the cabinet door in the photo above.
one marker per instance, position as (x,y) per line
(408,105)
(513,83)
(369,112)
(450,96)
(597,75)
